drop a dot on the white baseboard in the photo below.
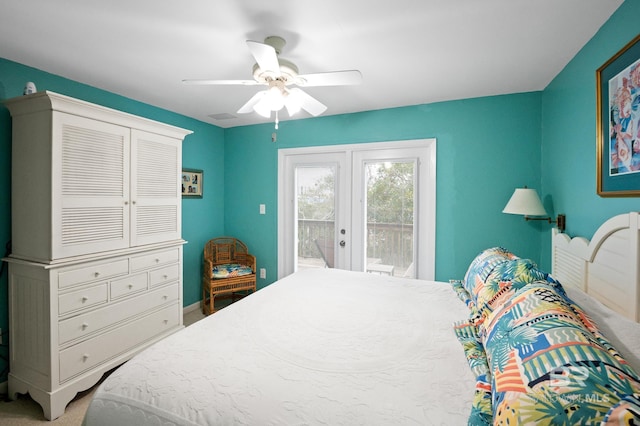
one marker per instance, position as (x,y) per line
(191,308)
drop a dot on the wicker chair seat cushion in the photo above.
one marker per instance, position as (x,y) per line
(229,270)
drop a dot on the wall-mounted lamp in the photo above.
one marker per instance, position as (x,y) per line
(525,201)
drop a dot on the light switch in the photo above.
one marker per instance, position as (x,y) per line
(263,209)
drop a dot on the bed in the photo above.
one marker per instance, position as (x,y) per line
(335,347)
(304,350)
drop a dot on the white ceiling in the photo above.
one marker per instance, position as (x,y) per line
(409,51)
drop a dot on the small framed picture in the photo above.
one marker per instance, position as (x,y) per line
(191,182)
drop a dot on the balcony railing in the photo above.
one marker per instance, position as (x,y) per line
(387,243)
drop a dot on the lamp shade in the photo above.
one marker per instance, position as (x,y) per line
(525,201)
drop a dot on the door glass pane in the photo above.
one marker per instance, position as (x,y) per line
(390,212)
(315,195)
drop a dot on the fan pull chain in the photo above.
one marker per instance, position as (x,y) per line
(277,121)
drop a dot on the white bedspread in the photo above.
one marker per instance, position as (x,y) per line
(320,347)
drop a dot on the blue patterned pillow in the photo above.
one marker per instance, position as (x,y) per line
(229,270)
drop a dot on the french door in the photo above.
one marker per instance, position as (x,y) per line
(365,207)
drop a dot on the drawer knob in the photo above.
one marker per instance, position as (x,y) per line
(166,321)
(165,276)
(97,274)
(130,286)
(84,299)
(85,357)
(157,260)
(85,326)
(165,297)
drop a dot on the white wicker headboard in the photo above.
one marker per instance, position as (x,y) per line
(607,267)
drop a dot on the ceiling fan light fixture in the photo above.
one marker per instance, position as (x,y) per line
(275,98)
(277,74)
(262,107)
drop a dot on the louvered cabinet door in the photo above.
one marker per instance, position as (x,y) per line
(155,192)
(91,186)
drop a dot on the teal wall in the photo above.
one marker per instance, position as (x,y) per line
(569,133)
(486,147)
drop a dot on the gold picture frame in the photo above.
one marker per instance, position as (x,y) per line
(618,123)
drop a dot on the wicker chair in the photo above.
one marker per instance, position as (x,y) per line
(224,251)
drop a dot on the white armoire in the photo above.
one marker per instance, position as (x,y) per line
(95,270)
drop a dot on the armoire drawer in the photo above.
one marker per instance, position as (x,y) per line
(90,353)
(90,296)
(128,285)
(150,260)
(92,322)
(164,275)
(93,272)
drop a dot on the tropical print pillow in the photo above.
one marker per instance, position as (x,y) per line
(549,362)
(482,266)
(537,356)
(492,278)
(231,270)
(506,279)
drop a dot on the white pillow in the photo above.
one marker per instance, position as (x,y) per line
(623,333)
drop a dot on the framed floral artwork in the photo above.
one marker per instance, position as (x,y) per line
(618,123)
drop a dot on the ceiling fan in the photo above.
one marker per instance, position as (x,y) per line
(278,75)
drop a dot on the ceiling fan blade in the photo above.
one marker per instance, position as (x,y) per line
(308,102)
(335,78)
(265,56)
(248,107)
(221,82)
